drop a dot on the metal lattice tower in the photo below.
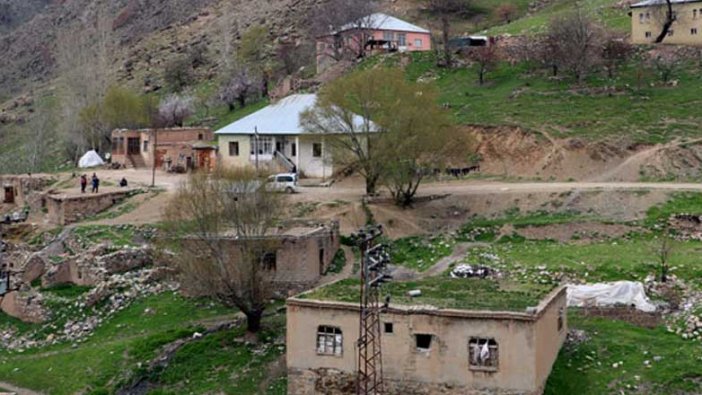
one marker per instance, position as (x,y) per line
(374,259)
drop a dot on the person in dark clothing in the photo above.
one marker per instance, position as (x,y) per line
(83,183)
(96,183)
(123,182)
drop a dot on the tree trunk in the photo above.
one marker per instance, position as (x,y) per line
(446,32)
(231,107)
(481,75)
(253,321)
(371,183)
(669,19)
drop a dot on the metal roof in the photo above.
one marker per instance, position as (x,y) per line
(648,3)
(281,118)
(382,21)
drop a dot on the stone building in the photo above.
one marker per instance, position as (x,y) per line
(18,190)
(426,349)
(188,148)
(63,209)
(648,16)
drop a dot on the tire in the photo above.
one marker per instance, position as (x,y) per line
(289,190)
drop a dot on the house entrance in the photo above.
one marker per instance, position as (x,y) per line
(321,261)
(159,155)
(133,146)
(9,195)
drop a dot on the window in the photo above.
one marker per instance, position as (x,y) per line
(670,32)
(641,18)
(648,34)
(422,341)
(389,327)
(264,144)
(483,354)
(233,148)
(293,149)
(648,17)
(418,43)
(694,13)
(402,39)
(317,150)
(693,31)
(561,312)
(146,145)
(118,145)
(285,179)
(329,340)
(269,260)
(199,136)
(388,36)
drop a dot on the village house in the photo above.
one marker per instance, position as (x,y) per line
(647,19)
(297,253)
(376,32)
(273,139)
(456,343)
(184,148)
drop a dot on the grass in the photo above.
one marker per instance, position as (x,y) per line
(636,106)
(420,253)
(338,263)
(485,229)
(681,203)
(588,369)
(121,235)
(444,292)
(105,359)
(67,290)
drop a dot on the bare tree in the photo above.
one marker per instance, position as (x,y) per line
(663,246)
(41,128)
(175,109)
(573,43)
(666,63)
(241,86)
(486,58)
(446,11)
(615,52)
(346,24)
(506,12)
(217,225)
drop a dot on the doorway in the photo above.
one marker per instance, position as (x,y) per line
(9,195)
(321,261)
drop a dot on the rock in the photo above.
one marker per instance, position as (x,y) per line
(26,306)
(34,268)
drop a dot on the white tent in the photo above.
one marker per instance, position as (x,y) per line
(610,294)
(90,159)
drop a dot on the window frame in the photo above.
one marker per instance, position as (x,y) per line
(329,335)
(417,347)
(145,146)
(317,150)
(494,352)
(236,145)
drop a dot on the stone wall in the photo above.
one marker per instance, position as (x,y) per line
(65,209)
(25,189)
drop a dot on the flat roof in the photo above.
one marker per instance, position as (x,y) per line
(444,293)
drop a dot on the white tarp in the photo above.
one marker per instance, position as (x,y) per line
(90,159)
(609,294)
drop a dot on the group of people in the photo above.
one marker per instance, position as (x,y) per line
(95,183)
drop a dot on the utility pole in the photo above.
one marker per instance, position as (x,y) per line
(154,152)
(374,260)
(4,270)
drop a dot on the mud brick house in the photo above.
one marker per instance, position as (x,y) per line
(188,148)
(465,341)
(375,33)
(64,209)
(296,254)
(647,19)
(17,190)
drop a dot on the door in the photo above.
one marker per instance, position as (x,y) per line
(9,195)
(133,146)
(160,154)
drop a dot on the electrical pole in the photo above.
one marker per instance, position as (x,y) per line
(154,152)
(4,271)
(374,259)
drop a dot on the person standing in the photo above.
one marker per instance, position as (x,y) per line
(83,183)
(96,183)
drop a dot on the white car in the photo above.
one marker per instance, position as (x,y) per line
(283,182)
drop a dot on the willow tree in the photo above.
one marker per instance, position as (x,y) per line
(390,130)
(215,228)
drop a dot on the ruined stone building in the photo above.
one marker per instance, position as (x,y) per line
(426,349)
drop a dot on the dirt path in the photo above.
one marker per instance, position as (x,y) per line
(459,251)
(18,390)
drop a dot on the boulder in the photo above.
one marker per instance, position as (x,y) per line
(26,306)
(34,268)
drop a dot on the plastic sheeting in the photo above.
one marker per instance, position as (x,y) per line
(90,159)
(627,293)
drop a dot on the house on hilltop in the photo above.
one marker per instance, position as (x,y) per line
(272,138)
(462,336)
(188,148)
(375,32)
(648,16)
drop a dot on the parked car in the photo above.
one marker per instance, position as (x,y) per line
(283,182)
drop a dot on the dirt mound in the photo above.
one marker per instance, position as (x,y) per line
(515,152)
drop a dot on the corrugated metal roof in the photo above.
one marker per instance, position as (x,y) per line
(382,21)
(281,118)
(648,3)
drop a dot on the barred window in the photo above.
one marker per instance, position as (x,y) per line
(329,340)
(483,354)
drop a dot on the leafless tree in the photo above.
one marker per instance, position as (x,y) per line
(486,58)
(663,246)
(333,16)
(666,63)
(446,11)
(175,109)
(210,213)
(241,86)
(573,43)
(615,52)
(506,12)
(41,128)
